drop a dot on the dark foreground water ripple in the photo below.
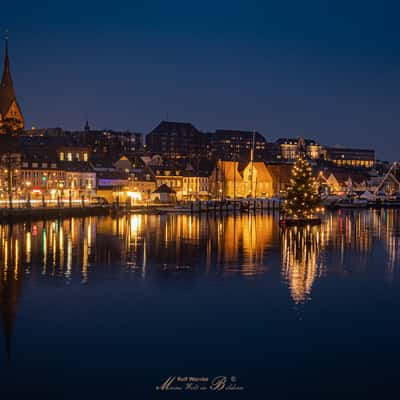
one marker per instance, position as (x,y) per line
(110,308)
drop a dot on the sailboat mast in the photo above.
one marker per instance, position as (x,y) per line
(252,162)
(234,177)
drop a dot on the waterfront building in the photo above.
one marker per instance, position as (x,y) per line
(231,179)
(164,194)
(169,176)
(195,185)
(388,183)
(113,186)
(281,174)
(226,180)
(257,180)
(341,181)
(41,177)
(80,179)
(175,139)
(124,180)
(141,184)
(11,119)
(50,179)
(56,164)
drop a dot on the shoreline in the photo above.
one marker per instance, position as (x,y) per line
(12,215)
(18,215)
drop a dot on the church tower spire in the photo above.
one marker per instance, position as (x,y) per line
(11,118)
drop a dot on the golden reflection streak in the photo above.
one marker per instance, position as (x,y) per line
(44,249)
(300,264)
(28,244)
(5,257)
(68,273)
(16,259)
(234,244)
(61,246)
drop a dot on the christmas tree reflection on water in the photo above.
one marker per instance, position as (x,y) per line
(301,263)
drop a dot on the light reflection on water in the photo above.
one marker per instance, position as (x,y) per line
(243,245)
(351,245)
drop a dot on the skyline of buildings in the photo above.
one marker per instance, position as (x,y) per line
(175,161)
(179,137)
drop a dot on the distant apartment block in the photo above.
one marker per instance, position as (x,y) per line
(224,143)
(175,139)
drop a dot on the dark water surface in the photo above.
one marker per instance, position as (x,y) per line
(110,308)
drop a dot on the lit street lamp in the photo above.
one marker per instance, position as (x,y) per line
(28,203)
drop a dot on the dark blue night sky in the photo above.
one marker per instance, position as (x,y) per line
(329,70)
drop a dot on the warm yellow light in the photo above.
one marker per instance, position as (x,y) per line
(134,195)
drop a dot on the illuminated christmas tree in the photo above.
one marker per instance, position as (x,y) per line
(302,196)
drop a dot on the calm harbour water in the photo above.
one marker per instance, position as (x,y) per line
(110,308)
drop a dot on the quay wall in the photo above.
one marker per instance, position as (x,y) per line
(29,214)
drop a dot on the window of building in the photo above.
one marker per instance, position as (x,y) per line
(85,157)
(69,156)
(62,156)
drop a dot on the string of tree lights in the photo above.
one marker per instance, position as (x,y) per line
(302,198)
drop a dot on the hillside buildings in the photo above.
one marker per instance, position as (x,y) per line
(347,157)
(175,160)
(175,139)
(231,144)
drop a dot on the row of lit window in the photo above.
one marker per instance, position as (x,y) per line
(170,183)
(167,173)
(28,174)
(354,163)
(36,165)
(69,156)
(194,180)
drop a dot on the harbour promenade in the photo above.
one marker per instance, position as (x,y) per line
(23,211)
(39,213)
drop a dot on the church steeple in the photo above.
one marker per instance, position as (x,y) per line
(7,92)
(10,113)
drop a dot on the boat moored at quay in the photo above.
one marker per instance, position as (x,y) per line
(360,201)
